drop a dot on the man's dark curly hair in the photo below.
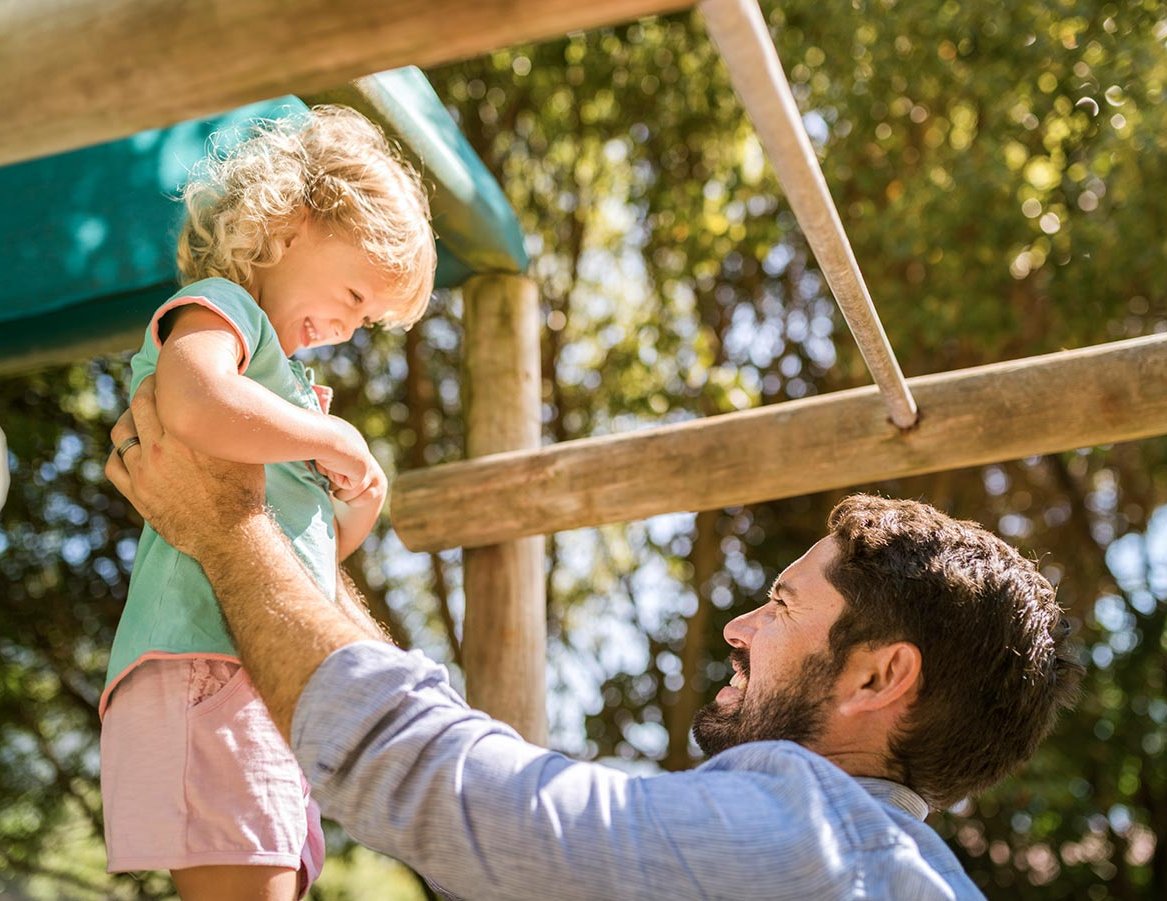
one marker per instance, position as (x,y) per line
(998,663)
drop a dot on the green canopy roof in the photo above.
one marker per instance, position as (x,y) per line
(88,237)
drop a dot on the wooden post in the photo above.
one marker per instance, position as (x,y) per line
(504,642)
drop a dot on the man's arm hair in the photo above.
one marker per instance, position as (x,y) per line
(283,624)
(349,601)
(353,605)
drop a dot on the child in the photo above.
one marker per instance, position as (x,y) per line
(302,234)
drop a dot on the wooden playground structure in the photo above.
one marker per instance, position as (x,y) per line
(137,64)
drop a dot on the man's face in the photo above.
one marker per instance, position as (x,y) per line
(784,672)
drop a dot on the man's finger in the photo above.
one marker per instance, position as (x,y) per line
(116,472)
(145,413)
(122,429)
(115,465)
(115,468)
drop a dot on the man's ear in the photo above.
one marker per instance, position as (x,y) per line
(877,677)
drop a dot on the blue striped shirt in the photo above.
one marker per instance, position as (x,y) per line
(399,760)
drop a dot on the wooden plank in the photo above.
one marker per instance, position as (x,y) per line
(1004,411)
(80,72)
(504,648)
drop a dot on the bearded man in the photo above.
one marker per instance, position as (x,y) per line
(906,661)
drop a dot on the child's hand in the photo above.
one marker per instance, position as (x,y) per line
(372,498)
(348,464)
(358,494)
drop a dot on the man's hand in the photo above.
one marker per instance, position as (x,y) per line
(186,496)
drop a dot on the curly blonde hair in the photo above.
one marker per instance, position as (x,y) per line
(330,162)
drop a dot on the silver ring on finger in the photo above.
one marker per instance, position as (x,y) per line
(126,445)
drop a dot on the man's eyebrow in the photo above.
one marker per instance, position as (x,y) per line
(784,587)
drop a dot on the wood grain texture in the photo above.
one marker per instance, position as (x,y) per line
(1004,411)
(79,72)
(504,644)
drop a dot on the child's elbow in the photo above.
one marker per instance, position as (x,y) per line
(183,421)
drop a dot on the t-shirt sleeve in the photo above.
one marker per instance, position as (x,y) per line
(229,301)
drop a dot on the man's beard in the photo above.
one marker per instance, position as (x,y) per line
(794,712)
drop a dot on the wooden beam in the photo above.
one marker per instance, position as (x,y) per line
(1039,405)
(504,645)
(80,72)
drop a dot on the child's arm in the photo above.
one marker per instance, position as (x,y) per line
(355,518)
(209,406)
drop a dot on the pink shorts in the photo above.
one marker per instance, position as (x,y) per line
(194,773)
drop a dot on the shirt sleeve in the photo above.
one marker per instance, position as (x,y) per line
(229,301)
(400,761)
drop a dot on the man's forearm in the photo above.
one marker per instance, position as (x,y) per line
(283,625)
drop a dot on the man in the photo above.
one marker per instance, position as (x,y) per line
(903,662)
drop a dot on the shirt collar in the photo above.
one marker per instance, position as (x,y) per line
(895,794)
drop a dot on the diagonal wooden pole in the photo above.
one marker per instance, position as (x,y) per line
(741,35)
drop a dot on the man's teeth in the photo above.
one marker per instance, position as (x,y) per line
(739,681)
(313,335)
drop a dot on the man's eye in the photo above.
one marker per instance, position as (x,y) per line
(357,299)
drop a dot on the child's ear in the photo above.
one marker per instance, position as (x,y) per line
(297,225)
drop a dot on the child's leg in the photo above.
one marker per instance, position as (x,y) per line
(241,883)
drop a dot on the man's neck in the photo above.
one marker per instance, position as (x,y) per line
(862,762)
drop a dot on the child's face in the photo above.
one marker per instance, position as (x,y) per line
(322,290)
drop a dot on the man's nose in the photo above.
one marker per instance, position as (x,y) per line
(739,631)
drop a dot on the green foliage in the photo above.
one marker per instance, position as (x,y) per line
(996,167)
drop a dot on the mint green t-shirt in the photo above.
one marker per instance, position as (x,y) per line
(171,609)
